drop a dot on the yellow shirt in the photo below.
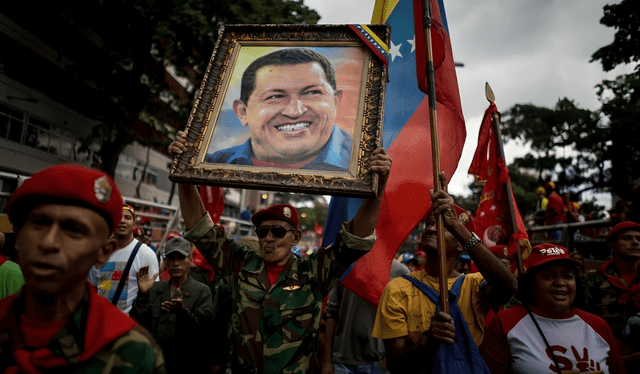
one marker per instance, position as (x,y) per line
(403,307)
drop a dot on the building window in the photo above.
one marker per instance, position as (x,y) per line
(44,137)
(11,123)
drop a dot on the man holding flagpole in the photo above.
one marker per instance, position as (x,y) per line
(407,318)
(407,136)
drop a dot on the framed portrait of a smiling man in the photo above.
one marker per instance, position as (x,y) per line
(289,107)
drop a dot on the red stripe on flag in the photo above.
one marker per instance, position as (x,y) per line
(407,197)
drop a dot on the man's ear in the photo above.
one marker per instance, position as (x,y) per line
(106,251)
(240,109)
(297,235)
(337,97)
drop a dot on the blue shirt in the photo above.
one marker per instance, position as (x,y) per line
(335,156)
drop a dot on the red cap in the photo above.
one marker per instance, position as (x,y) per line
(130,208)
(138,231)
(420,253)
(622,226)
(544,253)
(500,251)
(173,235)
(283,212)
(70,185)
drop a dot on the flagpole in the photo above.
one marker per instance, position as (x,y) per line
(435,153)
(496,126)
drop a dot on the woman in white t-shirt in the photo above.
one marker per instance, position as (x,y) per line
(547,334)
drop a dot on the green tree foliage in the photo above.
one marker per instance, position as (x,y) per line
(620,97)
(625,49)
(140,44)
(567,141)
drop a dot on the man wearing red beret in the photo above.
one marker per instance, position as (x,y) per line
(614,290)
(64,217)
(276,297)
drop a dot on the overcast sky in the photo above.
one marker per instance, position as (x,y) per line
(528,51)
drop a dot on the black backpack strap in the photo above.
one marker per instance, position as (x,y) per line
(125,274)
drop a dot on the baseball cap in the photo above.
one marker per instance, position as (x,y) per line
(67,184)
(622,226)
(283,212)
(545,253)
(406,257)
(130,208)
(420,253)
(540,190)
(177,244)
(550,185)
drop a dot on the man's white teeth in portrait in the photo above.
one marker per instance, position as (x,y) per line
(294,127)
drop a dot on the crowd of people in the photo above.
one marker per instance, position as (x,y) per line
(89,297)
(86,295)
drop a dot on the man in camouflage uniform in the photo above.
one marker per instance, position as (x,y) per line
(276,297)
(57,323)
(614,290)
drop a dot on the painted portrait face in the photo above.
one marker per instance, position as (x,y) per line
(290,113)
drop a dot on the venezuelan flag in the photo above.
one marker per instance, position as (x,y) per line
(407,138)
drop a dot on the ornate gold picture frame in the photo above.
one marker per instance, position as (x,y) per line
(295,108)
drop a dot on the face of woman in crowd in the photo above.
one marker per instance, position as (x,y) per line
(555,289)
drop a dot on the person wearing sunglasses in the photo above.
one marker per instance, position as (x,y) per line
(276,297)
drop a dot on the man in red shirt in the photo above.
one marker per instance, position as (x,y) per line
(556,210)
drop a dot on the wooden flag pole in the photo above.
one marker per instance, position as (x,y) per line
(435,153)
(496,127)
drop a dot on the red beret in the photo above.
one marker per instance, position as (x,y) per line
(500,251)
(622,226)
(466,219)
(283,212)
(546,252)
(138,231)
(70,185)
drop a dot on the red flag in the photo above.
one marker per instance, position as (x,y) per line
(407,199)
(493,217)
(213,199)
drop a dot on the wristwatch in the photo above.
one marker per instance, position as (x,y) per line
(471,242)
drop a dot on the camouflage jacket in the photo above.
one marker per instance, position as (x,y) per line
(98,338)
(274,328)
(607,300)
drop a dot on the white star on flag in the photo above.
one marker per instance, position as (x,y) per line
(493,207)
(413,43)
(395,51)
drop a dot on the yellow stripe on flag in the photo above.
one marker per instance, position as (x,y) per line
(382,11)
(376,38)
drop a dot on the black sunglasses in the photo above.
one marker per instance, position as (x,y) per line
(277,231)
